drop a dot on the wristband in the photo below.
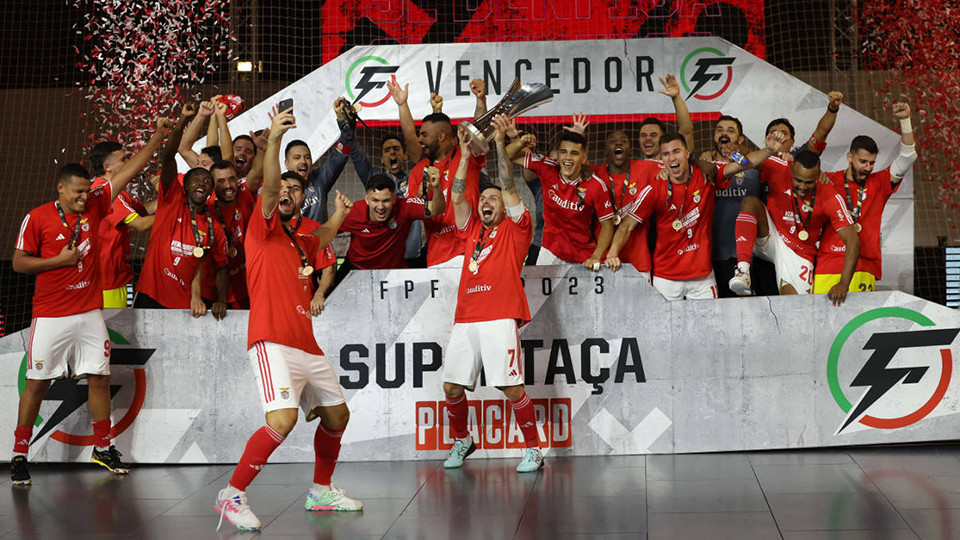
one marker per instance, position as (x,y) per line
(906,126)
(343,148)
(817,146)
(515,211)
(832,110)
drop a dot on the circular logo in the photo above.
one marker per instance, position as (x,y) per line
(706,73)
(366,81)
(874,376)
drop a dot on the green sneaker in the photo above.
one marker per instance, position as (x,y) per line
(331,500)
(458,453)
(532,461)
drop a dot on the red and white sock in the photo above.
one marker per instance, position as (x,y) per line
(326,446)
(457,415)
(21,440)
(261,444)
(101,434)
(745,231)
(527,420)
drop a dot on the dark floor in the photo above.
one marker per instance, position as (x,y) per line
(896,493)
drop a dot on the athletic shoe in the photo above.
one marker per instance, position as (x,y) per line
(236,510)
(19,472)
(458,453)
(313,414)
(110,458)
(532,460)
(331,500)
(740,283)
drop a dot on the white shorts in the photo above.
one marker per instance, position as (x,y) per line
(494,345)
(704,288)
(75,345)
(285,374)
(791,268)
(456,262)
(546,258)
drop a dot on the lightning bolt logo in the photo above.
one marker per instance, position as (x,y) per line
(367,83)
(878,378)
(703,75)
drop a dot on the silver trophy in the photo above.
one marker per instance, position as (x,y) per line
(518,100)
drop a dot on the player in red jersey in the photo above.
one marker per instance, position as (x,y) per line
(380,223)
(232,208)
(491,303)
(682,204)
(574,201)
(651,129)
(288,363)
(786,230)
(59,242)
(866,193)
(184,232)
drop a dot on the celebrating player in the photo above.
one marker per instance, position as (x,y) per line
(796,211)
(282,348)
(866,193)
(491,303)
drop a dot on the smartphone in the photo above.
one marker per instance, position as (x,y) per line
(285,104)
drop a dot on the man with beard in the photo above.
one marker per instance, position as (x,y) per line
(682,205)
(183,234)
(244,151)
(288,363)
(491,304)
(786,230)
(866,193)
(651,129)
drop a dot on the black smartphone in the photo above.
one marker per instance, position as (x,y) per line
(285,104)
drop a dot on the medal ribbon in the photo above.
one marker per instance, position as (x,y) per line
(481,243)
(796,210)
(76,227)
(683,201)
(854,211)
(303,256)
(618,204)
(226,230)
(196,231)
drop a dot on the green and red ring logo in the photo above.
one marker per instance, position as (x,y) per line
(369,80)
(709,69)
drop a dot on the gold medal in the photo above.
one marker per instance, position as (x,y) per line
(617,219)
(198,252)
(858,227)
(803,235)
(677,225)
(474,266)
(232,252)
(306,270)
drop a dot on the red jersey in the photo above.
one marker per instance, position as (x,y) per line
(685,253)
(67,290)
(792,215)
(494,291)
(169,265)
(624,189)
(570,209)
(870,199)
(443,243)
(326,256)
(233,217)
(115,268)
(280,294)
(381,245)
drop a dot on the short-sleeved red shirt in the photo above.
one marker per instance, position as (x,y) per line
(169,265)
(67,290)
(873,195)
(233,217)
(442,241)
(495,290)
(280,294)
(115,268)
(685,253)
(571,210)
(625,188)
(828,207)
(381,245)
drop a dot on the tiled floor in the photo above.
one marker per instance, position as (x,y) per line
(892,493)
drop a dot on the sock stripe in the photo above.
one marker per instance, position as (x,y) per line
(331,433)
(273,434)
(454,401)
(522,402)
(748,218)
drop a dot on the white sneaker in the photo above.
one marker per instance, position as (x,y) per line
(236,510)
(740,283)
(331,500)
(532,461)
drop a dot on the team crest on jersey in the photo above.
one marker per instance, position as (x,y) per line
(493,234)
(285,392)
(696,197)
(739,178)
(392,224)
(38,364)
(806,207)
(84,226)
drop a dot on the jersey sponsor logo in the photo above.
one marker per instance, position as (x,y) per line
(367,78)
(565,204)
(690,247)
(71,394)
(706,73)
(479,288)
(79,285)
(170,274)
(493,425)
(894,396)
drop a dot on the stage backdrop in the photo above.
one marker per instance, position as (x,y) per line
(611,366)
(613,80)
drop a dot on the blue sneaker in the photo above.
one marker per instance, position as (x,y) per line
(458,453)
(532,461)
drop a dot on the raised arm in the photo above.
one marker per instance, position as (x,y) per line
(908,152)
(829,118)
(511,199)
(461,207)
(255,176)
(754,159)
(409,129)
(213,133)
(135,165)
(328,231)
(436,102)
(437,204)
(671,89)
(513,151)
(192,134)
(479,89)
(226,141)
(270,191)
(168,157)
